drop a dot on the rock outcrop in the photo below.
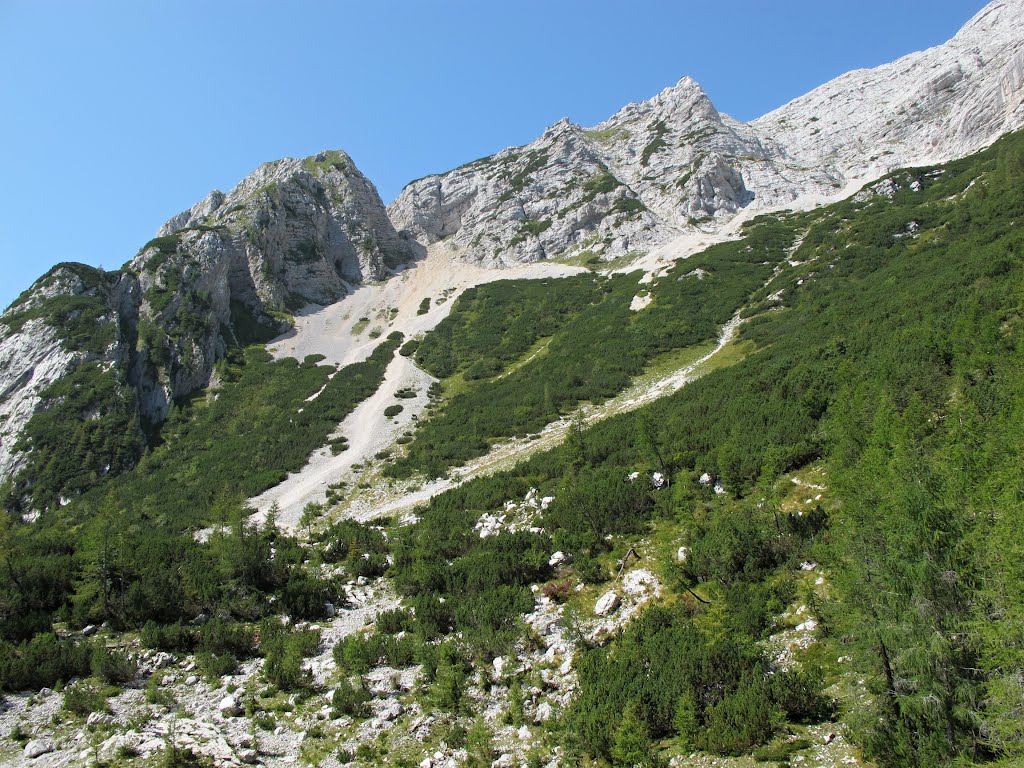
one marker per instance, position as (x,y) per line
(222,274)
(672,163)
(529,203)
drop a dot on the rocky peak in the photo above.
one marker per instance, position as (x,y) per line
(221,274)
(684,103)
(928,106)
(553,197)
(680,163)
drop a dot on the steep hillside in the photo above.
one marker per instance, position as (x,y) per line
(753,499)
(304,231)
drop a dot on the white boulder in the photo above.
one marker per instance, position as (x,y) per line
(606,604)
(229,707)
(37,747)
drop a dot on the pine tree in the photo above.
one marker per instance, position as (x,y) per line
(632,743)
(907,580)
(479,745)
(686,721)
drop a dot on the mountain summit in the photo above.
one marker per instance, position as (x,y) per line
(292,233)
(666,165)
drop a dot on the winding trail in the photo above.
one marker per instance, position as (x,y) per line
(347,331)
(510,452)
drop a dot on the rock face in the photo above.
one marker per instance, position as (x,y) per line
(927,107)
(292,233)
(663,166)
(530,203)
(74,316)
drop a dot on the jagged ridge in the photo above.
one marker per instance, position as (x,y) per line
(681,163)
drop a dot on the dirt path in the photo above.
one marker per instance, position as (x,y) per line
(347,332)
(510,452)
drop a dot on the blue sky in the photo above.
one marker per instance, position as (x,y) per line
(116,115)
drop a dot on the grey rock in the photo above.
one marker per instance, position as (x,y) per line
(389,710)
(674,162)
(544,712)
(99,718)
(110,749)
(606,604)
(293,233)
(37,748)
(229,707)
(559,558)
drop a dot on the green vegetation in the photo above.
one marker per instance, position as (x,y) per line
(894,358)
(84,320)
(884,354)
(258,429)
(630,206)
(656,144)
(124,552)
(600,184)
(494,324)
(530,228)
(607,135)
(249,328)
(326,161)
(598,345)
(88,431)
(424,307)
(515,182)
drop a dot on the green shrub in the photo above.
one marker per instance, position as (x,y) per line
(392,410)
(43,662)
(112,666)
(283,651)
(157,695)
(350,699)
(780,750)
(214,666)
(393,621)
(742,720)
(83,698)
(168,637)
(227,638)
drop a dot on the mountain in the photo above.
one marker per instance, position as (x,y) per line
(120,348)
(673,163)
(297,232)
(756,498)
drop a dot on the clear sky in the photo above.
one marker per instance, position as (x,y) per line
(117,115)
